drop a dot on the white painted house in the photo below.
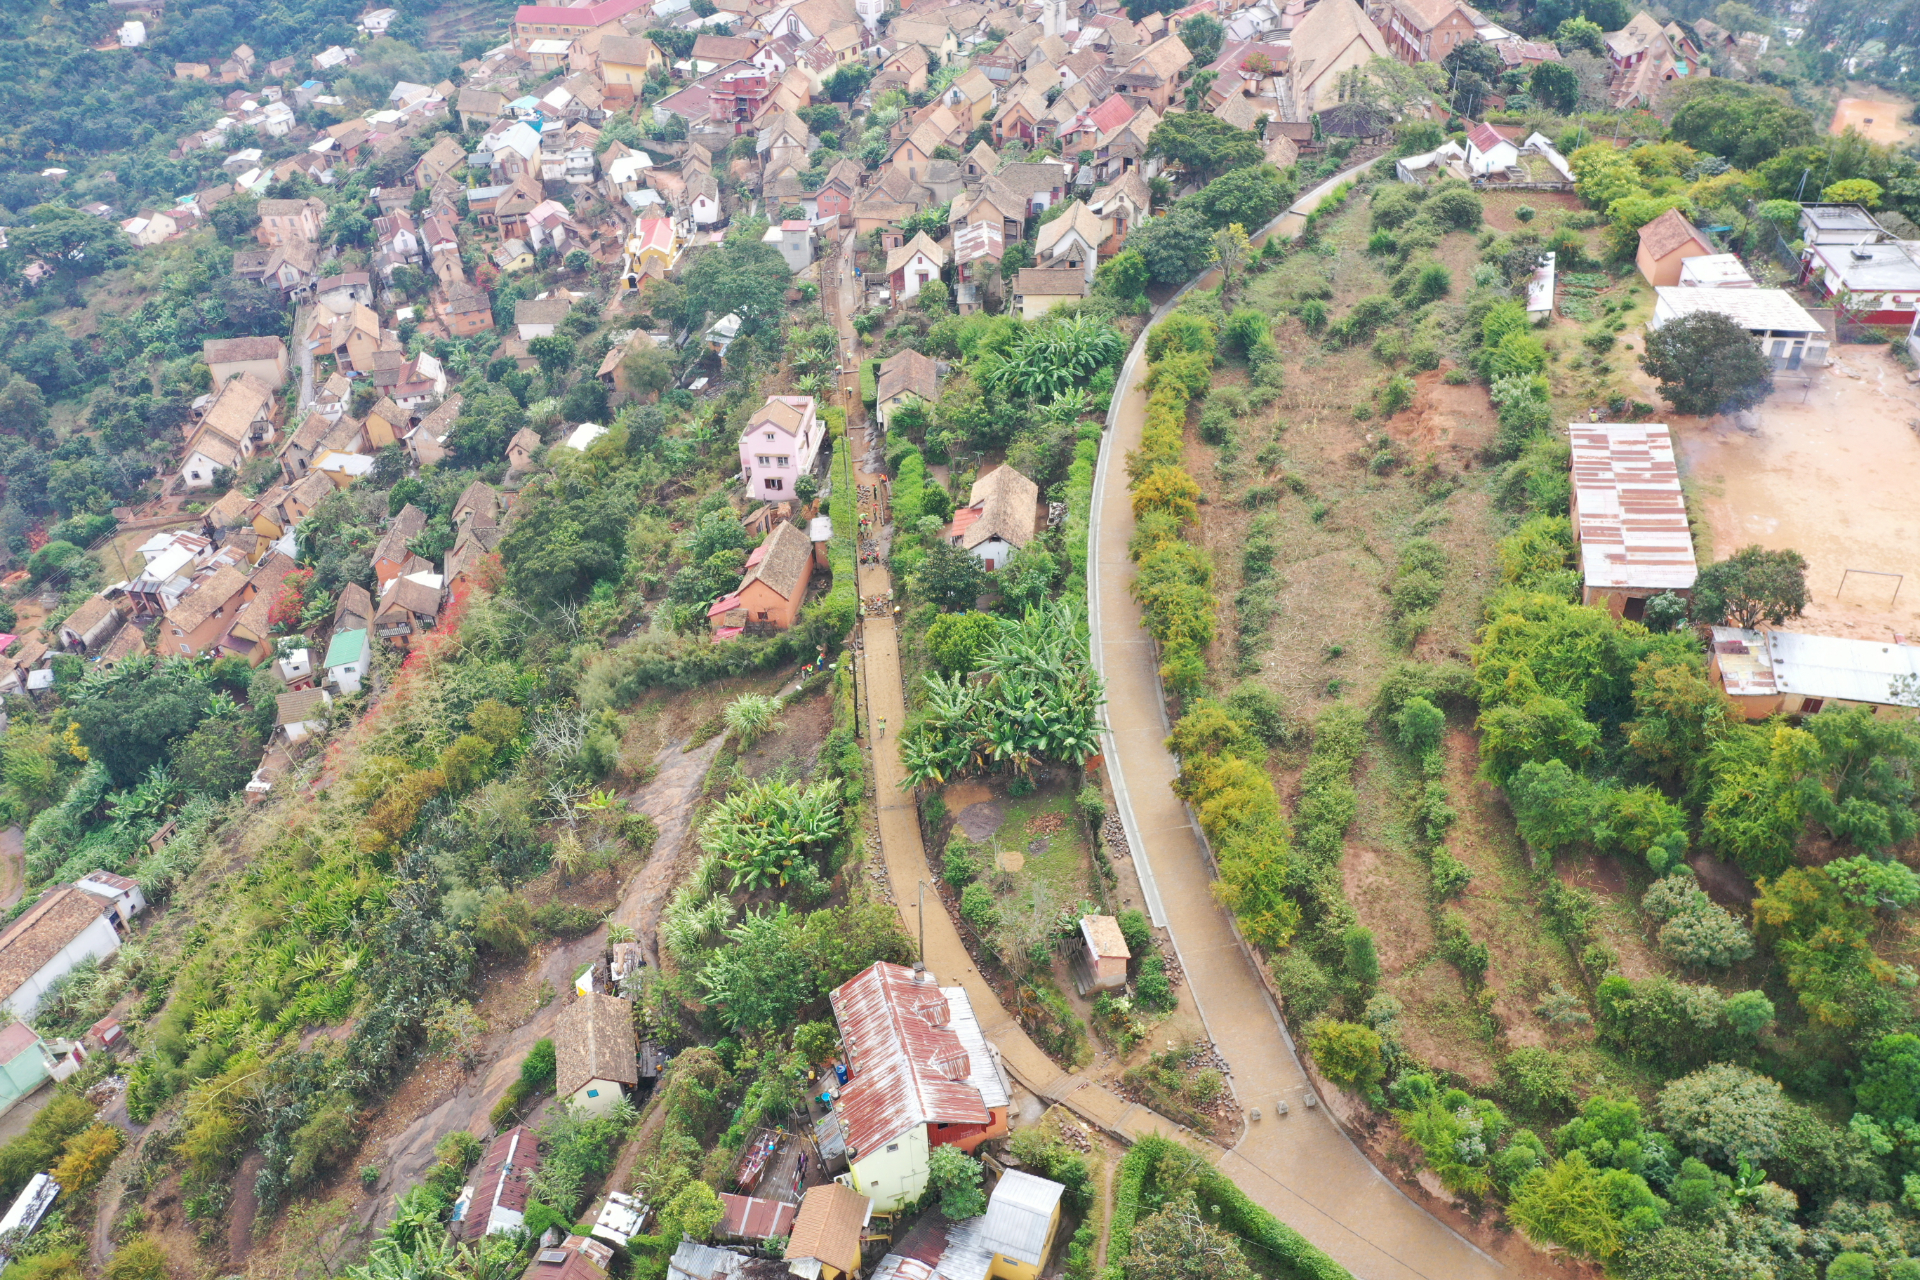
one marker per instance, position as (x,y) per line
(794,239)
(1488,152)
(1000,517)
(123,897)
(63,929)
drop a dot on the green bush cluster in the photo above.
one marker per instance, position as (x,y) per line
(1175,576)
(1157,1169)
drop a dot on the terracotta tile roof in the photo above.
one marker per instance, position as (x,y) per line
(1668,232)
(300,706)
(213,593)
(1042,282)
(354,602)
(406,526)
(1008,504)
(908,371)
(46,930)
(227,350)
(785,564)
(411,597)
(829,1225)
(594,1037)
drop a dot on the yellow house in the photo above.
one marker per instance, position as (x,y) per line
(826,1232)
(624,63)
(386,423)
(1023,1216)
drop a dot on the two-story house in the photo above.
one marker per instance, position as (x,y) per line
(779,446)
(290,221)
(920,1076)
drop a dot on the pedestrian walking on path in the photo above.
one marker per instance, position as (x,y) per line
(883,726)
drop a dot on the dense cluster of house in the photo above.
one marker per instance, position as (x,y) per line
(914,1073)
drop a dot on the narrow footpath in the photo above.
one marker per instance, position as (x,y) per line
(883,709)
(1302,1166)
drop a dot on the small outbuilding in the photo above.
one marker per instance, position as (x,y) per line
(1790,673)
(1099,961)
(825,1243)
(1629,516)
(496,1202)
(1665,243)
(1023,1216)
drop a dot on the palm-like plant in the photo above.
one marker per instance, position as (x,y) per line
(763,829)
(750,716)
(1034,697)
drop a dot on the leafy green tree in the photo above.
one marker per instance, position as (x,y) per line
(743,276)
(1347,1053)
(1593,1212)
(1123,276)
(1889,1087)
(1177,1243)
(572,531)
(1580,35)
(129,715)
(555,352)
(1861,785)
(1744,124)
(1175,246)
(1555,86)
(1203,145)
(957,641)
(1251,195)
(1726,1113)
(1752,586)
(1553,807)
(71,242)
(1706,364)
(955,1177)
(762,978)
(1202,35)
(950,577)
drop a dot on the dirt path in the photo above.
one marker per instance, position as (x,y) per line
(669,799)
(13,865)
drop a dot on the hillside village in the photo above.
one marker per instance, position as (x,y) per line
(573,649)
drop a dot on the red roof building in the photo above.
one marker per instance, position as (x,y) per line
(498,1202)
(922,1076)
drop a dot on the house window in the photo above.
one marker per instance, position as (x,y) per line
(893,1146)
(769,435)
(774,482)
(593,1093)
(786,460)
(1808,706)
(763,615)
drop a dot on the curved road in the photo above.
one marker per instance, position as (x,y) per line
(1303,1167)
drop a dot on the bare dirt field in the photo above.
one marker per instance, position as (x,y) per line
(1879,120)
(1831,476)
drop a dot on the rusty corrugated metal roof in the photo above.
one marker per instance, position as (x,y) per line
(1630,517)
(908,1064)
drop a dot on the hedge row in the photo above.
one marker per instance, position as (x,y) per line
(869,382)
(1086,457)
(842,509)
(1222,1203)
(1176,576)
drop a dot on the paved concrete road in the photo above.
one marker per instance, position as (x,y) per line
(1303,1167)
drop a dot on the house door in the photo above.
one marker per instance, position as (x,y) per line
(1636,610)
(1794,358)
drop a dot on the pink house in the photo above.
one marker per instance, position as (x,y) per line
(780,444)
